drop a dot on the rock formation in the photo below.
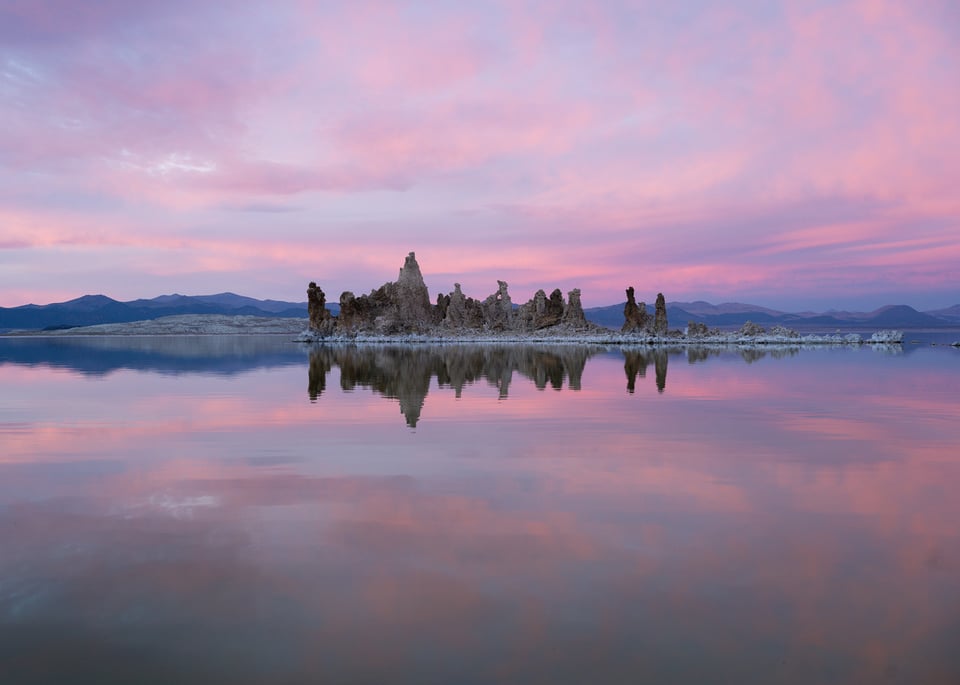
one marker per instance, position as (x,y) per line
(543,312)
(403,307)
(573,312)
(540,312)
(410,296)
(660,316)
(350,311)
(783,332)
(443,304)
(553,312)
(636,318)
(320,317)
(530,313)
(751,330)
(461,312)
(498,309)
(455,313)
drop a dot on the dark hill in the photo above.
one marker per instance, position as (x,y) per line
(950,313)
(902,316)
(90,310)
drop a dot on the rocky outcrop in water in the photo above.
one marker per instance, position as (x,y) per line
(455,311)
(460,313)
(320,317)
(751,330)
(543,312)
(660,316)
(410,294)
(403,307)
(540,311)
(498,309)
(636,318)
(573,313)
(443,304)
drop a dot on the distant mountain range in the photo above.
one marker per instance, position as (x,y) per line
(734,314)
(95,309)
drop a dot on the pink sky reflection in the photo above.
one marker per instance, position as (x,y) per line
(806,503)
(800,156)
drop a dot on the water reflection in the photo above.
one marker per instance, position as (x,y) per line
(233,354)
(636,364)
(743,526)
(168,354)
(405,373)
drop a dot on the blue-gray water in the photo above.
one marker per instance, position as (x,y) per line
(244,510)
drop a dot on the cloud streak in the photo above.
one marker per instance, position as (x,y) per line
(707,152)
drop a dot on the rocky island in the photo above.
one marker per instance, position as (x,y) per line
(403,307)
(402,311)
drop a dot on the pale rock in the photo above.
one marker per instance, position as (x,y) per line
(751,330)
(573,312)
(498,309)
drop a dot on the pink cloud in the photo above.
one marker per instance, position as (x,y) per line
(732,145)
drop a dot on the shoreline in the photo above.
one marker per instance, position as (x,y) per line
(224,325)
(612,339)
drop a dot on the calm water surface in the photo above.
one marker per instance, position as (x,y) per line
(245,510)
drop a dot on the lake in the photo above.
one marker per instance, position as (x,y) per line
(248,510)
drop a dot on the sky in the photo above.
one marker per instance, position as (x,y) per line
(801,155)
